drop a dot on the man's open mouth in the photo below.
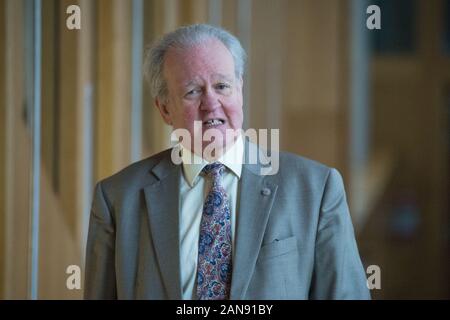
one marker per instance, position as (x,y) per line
(213,122)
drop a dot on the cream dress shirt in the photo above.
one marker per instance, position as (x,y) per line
(194,186)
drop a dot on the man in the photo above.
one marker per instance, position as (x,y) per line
(213,227)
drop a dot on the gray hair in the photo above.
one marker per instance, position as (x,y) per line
(185,37)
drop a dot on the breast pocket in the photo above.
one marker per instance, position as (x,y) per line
(277,267)
(278,248)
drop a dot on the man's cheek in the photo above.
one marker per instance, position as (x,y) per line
(189,115)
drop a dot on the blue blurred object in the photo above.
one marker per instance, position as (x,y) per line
(405,218)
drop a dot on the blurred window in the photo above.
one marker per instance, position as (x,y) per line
(446,26)
(398,27)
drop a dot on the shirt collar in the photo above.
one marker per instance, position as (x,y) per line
(194,164)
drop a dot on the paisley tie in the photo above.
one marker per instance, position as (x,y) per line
(214,248)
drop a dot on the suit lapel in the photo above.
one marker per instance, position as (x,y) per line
(162,206)
(253,213)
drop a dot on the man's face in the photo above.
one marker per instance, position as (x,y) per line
(202,86)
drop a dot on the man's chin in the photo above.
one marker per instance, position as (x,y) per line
(211,151)
(222,141)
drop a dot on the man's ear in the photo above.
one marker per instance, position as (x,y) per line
(162,107)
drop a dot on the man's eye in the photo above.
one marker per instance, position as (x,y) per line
(222,86)
(192,92)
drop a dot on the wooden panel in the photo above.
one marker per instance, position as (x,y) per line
(407,118)
(148,109)
(17,162)
(257,68)
(313,134)
(314,82)
(435,130)
(229,15)
(85,114)
(105,73)
(193,11)
(265,65)
(113,82)
(67,122)
(166,17)
(50,68)
(313,54)
(2,147)
(121,108)
(58,248)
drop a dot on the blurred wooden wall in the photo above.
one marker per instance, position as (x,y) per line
(296,82)
(410,92)
(16,155)
(2,144)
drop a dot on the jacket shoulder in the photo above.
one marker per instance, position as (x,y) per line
(135,174)
(299,170)
(300,164)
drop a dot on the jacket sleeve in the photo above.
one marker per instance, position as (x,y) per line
(100,276)
(338,271)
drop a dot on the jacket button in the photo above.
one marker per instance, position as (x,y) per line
(266,192)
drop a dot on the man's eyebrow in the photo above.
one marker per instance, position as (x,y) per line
(216,76)
(223,77)
(190,83)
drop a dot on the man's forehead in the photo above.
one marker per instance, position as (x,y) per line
(211,50)
(205,44)
(195,64)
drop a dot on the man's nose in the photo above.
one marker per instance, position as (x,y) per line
(210,101)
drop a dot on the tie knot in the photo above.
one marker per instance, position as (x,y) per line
(214,169)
